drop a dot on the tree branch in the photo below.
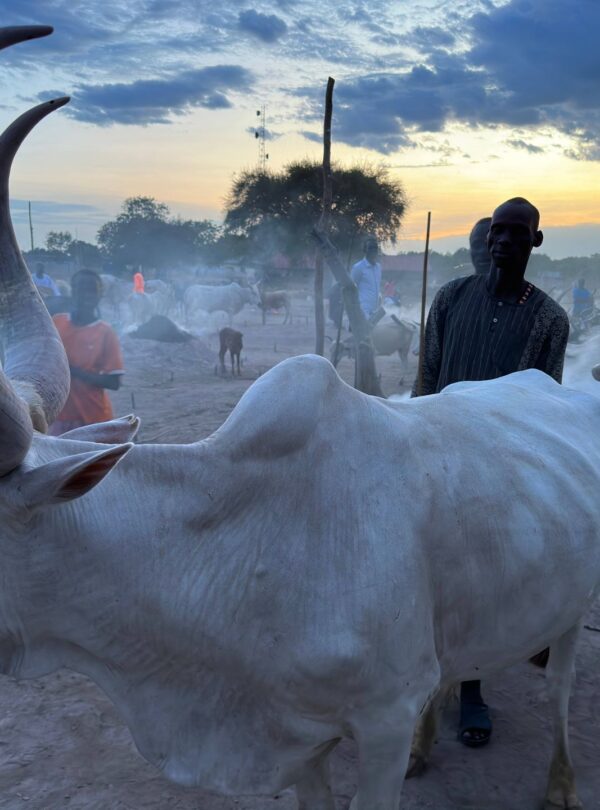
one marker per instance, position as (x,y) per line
(366,378)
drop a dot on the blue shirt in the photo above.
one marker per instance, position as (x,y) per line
(46,281)
(582,300)
(367,278)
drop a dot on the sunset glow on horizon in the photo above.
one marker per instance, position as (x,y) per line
(465,112)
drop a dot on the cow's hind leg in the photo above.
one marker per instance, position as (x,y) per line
(313,790)
(561,791)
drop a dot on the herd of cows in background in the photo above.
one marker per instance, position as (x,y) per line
(189,304)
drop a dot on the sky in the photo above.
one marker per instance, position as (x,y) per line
(467,103)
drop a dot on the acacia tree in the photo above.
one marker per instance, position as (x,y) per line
(61,245)
(146,234)
(275,211)
(59,242)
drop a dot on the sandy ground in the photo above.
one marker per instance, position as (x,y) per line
(62,744)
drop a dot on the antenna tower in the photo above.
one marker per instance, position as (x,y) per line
(260,135)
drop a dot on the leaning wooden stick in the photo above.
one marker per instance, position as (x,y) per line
(423,303)
(366,379)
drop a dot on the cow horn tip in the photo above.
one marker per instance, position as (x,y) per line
(43,30)
(59,102)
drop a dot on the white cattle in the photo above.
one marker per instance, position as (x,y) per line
(115,293)
(229,298)
(320,567)
(162,296)
(388,337)
(157,299)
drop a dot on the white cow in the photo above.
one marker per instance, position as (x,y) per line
(319,568)
(115,292)
(162,296)
(388,337)
(229,298)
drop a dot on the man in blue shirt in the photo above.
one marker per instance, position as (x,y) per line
(43,282)
(366,274)
(583,301)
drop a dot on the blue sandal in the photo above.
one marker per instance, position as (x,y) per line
(475,725)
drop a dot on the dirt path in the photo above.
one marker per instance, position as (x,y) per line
(62,745)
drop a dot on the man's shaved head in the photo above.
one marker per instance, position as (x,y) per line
(513,233)
(525,204)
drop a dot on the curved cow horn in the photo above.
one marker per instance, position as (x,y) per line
(35,365)
(20,33)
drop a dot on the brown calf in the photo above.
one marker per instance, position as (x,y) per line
(230,340)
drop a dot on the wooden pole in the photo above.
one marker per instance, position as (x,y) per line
(30,224)
(423,303)
(324,219)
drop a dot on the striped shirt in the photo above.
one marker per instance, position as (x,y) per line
(472,335)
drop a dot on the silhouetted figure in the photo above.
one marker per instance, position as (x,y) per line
(480,256)
(484,326)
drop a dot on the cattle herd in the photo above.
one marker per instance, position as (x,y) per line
(325,566)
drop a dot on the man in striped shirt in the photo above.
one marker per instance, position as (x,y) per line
(484,326)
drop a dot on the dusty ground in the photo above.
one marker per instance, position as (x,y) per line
(62,745)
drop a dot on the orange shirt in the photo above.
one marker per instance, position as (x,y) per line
(138,283)
(95,348)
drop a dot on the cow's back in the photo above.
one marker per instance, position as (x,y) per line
(507,477)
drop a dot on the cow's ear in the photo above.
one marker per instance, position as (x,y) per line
(116,431)
(69,477)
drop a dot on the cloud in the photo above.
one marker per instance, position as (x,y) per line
(267,27)
(312,136)
(526,63)
(518,143)
(155,101)
(51,207)
(269,134)
(431,37)
(54,215)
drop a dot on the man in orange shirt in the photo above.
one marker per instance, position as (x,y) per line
(138,283)
(94,356)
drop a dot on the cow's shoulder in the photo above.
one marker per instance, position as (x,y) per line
(279,414)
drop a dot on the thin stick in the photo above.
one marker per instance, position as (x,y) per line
(327,179)
(423,303)
(324,218)
(30,224)
(337,340)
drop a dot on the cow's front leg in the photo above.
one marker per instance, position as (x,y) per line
(384,742)
(561,791)
(425,735)
(313,790)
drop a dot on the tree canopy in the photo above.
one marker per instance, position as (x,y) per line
(275,211)
(60,246)
(146,234)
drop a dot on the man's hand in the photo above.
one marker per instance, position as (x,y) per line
(110,381)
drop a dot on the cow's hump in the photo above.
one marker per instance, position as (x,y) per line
(280,412)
